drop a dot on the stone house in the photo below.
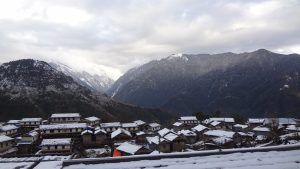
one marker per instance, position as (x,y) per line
(110,127)
(254,122)
(57,146)
(65,118)
(6,143)
(92,121)
(128,148)
(62,130)
(131,127)
(152,127)
(199,130)
(9,130)
(95,138)
(189,136)
(189,120)
(29,124)
(121,135)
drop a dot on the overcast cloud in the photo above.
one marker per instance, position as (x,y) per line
(116,35)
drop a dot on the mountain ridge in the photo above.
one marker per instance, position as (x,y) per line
(176,84)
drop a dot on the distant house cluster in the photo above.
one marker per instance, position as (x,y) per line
(70,133)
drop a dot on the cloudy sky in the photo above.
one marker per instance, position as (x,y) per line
(116,35)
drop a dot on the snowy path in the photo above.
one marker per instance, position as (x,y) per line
(257,160)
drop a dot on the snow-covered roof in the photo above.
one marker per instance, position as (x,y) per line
(100,131)
(140,133)
(259,128)
(58,115)
(220,133)
(163,131)
(155,140)
(177,124)
(199,128)
(139,122)
(129,148)
(215,123)
(243,126)
(33,133)
(293,128)
(119,131)
(8,127)
(223,119)
(154,125)
(187,133)
(255,120)
(13,121)
(57,141)
(92,118)
(63,126)
(86,132)
(112,124)
(171,136)
(4,138)
(188,118)
(126,125)
(31,120)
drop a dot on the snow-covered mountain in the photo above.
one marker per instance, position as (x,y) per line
(251,83)
(32,88)
(96,83)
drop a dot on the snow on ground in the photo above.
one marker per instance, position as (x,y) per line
(257,160)
(49,165)
(17,165)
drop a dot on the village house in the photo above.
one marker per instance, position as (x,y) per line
(158,143)
(62,130)
(176,141)
(121,135)
(254,122)
(128,148)
(240,128)
(14,122)
(92,121)
(189,136)
(292,129)
(57,146)
(132,127)
(110,127)
(177,126)
(141,124)
(6,143)
(152,127)
(199,130)
(226,122)
(189,120)
(28,124)
(221,138)
(9,130)
(65,118)
(140,137)
(216,125)
(261,131)
(95,138)
(28,143)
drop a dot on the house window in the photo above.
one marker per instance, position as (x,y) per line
(55,147)
(63,147)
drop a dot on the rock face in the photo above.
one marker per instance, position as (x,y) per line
(31,88)
(98,83)
(253,84)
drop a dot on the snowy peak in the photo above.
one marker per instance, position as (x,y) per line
(180,56)
(96,83)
